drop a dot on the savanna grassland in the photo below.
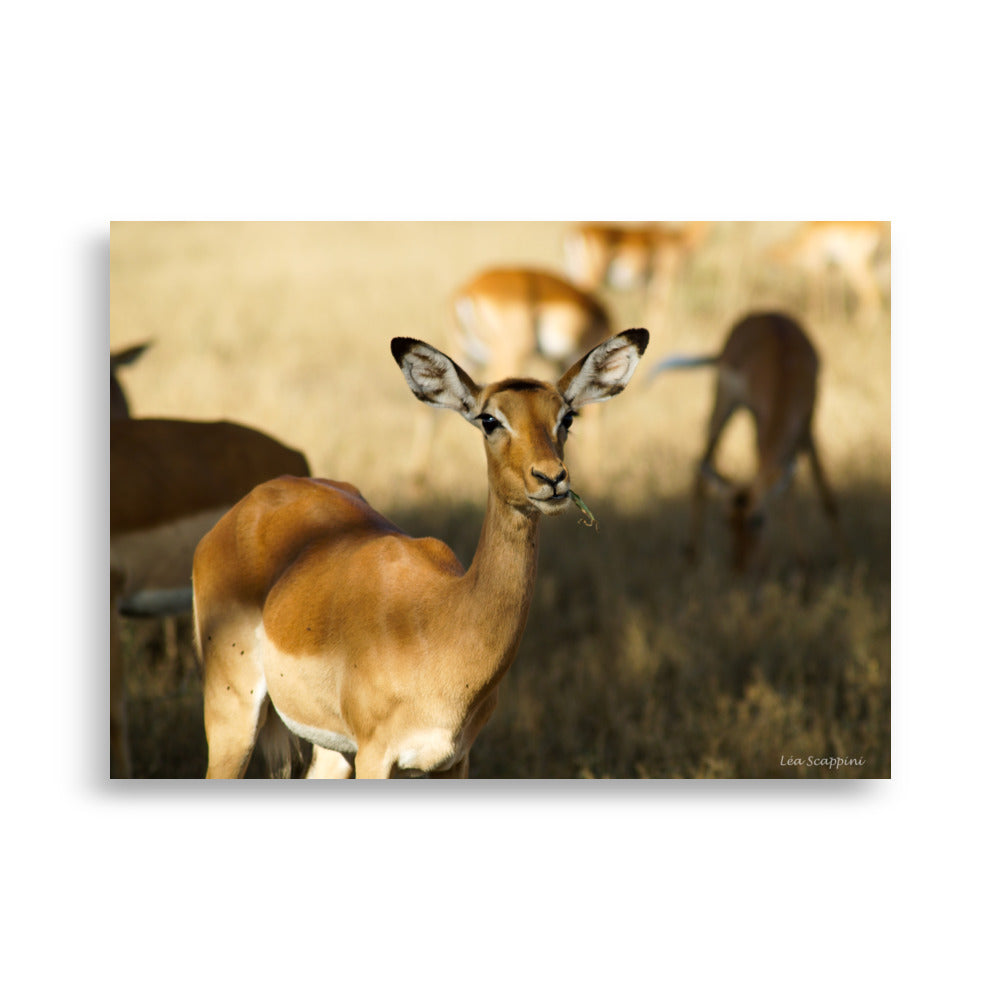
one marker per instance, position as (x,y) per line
(632,664)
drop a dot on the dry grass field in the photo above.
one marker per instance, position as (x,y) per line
(632,664)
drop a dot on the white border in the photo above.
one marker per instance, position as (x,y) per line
(521,111)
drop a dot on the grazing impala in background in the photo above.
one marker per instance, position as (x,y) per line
(376,647)
(631,257)
(171,480)
(849,249)
(769,366)
(510,320)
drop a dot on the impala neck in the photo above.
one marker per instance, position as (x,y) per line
(497,589)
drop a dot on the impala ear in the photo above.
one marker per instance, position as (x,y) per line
(129,355)
(606,370)
(434,378)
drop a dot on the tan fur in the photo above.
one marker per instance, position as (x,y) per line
(848,250)
(630,257)
(510,319)
(170,481)
(378,642)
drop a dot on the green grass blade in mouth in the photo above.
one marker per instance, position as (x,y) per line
(588,518)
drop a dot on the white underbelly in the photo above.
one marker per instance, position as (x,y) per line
(294,700)
(314,687)
(320,737)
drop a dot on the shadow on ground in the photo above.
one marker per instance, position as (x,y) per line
(634,665)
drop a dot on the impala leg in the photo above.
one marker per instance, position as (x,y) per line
(171,653)
(768,489)
(653,307)
(235,707)
(865,287)
(425,426)
(692,550)
(792,524)
(819,292)
(721,412)
(826,496)
(121,764)
(659,289)
(746,525)
(328,764)
(371,761)
(232,723)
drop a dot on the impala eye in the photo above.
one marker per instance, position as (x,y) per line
(490,423)
(567,421)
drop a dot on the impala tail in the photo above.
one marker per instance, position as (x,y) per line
(675,361)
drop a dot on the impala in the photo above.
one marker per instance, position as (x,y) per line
(119,404)
(851,249)
(376,647)
(769,366)
(630,257)
(509,320)
(171,480)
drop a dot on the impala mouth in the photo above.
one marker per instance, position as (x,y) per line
(551,504)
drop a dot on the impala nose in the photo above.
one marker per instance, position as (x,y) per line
(541,476)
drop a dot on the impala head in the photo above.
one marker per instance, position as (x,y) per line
(747,508)
(746,522)
(524,422)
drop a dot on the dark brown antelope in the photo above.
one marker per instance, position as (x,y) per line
(171,480)
(769,366)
